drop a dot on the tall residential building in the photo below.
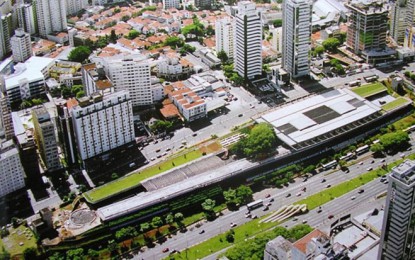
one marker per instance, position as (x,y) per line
(74,6)
(6,123)
(44,132)
(224,36)
(276,40)
(26,17)
(398,240)
(51,16)
(94,79)
(167,4)
(103,123)
(132,74)
(5,31)
(398,22)
(367,29)
(11,169)
(296,37)
(21,46)
(248,41)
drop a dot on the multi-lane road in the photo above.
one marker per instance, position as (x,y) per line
(314,184)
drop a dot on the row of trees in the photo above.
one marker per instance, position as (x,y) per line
(254,248)
(260,142)
(390,142)
(238,196)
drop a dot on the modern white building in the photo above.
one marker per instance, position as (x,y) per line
(398,228)
(132,74)
(5,25)
(74,6)
(44,132)
(51,16)
(248,41)
(6,124)
(167,4)
(224,34)
(11,169)
(276,40)
(21,45)
(28,79)
(189,104)
(94,79)
(102,123)
(26,17)
(296,38)
(172,67)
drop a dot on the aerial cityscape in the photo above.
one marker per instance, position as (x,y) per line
(207,129)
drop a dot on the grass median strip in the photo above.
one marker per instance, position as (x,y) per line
(219,242)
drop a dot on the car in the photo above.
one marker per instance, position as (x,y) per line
(361,163)
(168,149)
(386,182)
(159,156)
(369,169)
(298,194)
(202,231)
(361,191)
(233,224)
(304,189)
(328,186)
(181,146)
(248,215)
(288,195)
(165,250)
(165,153)
(269,204)
(254,217)
(353,198)
(240,115)
(152,158)
(266,208)
(373,161)
(330,216)
(271,200)
(194,134)
(323,180)
(382,161)
(319,210)
(304,221)
(295,218)
(158,150)
(268,195)
(235,98)
(174,251)
(402,155)
(305,179)
(382,179)
(155,141)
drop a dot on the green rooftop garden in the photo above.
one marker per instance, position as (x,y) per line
(395,104)
(369,89)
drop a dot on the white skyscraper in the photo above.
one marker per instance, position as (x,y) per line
(11,169)
(51,16)
(5,25)
(21,46)
(248,41)
(276,40)
(224,36)
(74,6)
(296,37)
(26,17)
(398,240)
(132,74)
(167,4)
(102,124)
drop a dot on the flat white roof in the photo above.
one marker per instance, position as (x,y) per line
(146,199)
(30,70)
(298,117)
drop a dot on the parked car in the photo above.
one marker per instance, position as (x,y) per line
(330,216)
(165,250)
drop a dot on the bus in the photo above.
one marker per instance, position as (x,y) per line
(329,165)
(347,157)
(255,204)
(362,149)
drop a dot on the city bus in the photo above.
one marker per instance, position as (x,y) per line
(362,149)
(329,165)
(255,204)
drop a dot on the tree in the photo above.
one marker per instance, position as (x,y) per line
(80,94)
(309,169)
(277,23)
(331,44)
(209,30)
(30,253)
(174,42)
(113,37)
(144,227)
(319,50)
(93,253)
(75,254)
(223,56)
(231,198)
(160,126)
(299,231)
(132,34)
(15,222)
(394,141)
(178,217)
(208,206)
(407,74)
(79,54)
(244,193)
(169,219)
(377,148)
(57,256)
(230,236)
(260,141)
(113,246)
(156,222)
(125,233)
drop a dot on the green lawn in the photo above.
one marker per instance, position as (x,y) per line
(11,243)
(219,242)
(394,104)
(370,89)
(133,180)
